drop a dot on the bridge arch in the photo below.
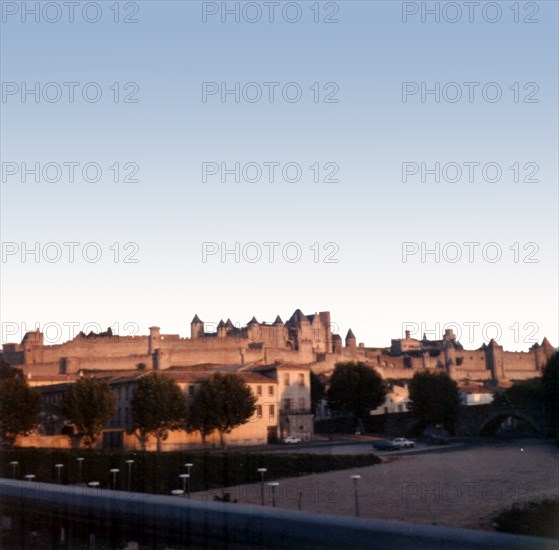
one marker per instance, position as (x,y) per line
(519,421)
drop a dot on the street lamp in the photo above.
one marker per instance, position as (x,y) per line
(114,471)
(30,477)
(14,464)
(262,472)
(58,470)
(273,485)
(177,492)
(355,478)
(93,484)
(185,478)
(130,462)
(80,461)
(188,466)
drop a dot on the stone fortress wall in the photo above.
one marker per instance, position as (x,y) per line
(303,339)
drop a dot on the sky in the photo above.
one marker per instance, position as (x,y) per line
(402,175)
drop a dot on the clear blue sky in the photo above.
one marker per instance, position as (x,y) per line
(368,133)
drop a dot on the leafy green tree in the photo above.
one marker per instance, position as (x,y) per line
(318,389)
(355,388)
(20,406)
(89,404)
(434,398)
(521,393)
(158,407)
(222,403)
(550,382)
(7,371)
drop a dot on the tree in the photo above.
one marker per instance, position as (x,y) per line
(435,398)
(521,393)
(89,404)
(158,406)
(318,389)
(550,381)
(355,388)
(222,403)
(7,371)
(20,406)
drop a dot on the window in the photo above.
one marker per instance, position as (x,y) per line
(270,390)
(272,412)
(258,390)
(286,379)
(191,390)
(259,411)
(287,404)
(301,379)
(302,403)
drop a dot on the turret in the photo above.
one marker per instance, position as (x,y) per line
(154,339)
(196,327)
(494,354)
(221,329)
(253,330)
(450,358)
(350,341)
(278,331)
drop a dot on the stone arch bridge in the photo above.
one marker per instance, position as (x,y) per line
(477,420)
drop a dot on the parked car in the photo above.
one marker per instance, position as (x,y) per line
(402,443)
(292,439)
(384,445)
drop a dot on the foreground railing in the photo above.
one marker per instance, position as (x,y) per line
(196,523)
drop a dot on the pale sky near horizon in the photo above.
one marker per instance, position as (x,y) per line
(155,101)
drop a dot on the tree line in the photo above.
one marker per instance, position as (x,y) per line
(158,406)
(224,401)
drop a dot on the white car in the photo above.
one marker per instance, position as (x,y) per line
(402,443)
(291,439)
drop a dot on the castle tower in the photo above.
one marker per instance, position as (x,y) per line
(278,331)
(351,341)
(154,339)
(542,354)
(32,345)
(196,327)
(221,329)
(336,344)
(450,358)
(253,330)
(494,355)
(327,324)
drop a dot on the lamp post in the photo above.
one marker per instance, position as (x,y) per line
(58,470)
(273,485)
(130,462)
(188,467)
(14,464)
(114,471)
(185,478)
(355,478)
(80,462)
(262,472)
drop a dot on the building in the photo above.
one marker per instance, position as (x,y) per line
(282,408)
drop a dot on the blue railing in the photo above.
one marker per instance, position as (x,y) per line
(194,522)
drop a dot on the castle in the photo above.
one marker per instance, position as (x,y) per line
(302,340)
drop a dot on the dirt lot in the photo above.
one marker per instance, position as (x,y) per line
(462,488)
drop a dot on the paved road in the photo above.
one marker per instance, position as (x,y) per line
(459,486)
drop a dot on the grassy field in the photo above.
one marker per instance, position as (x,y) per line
(159,473)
